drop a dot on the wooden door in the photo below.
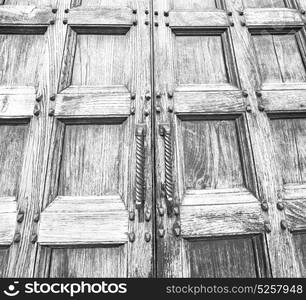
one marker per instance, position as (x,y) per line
(230,132)
(75,139)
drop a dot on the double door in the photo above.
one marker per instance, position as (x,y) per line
(159,138)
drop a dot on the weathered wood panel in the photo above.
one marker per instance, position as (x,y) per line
(300,244)
(4,254)
(231,257)
(290,139)
(12,146)
(200,60)
(193,4)
(103,3)
(8,208)
(211,154)
(21,59)
(87,262)
(264,3)
(100,60)
(279,58)
(90,160)
(84,220)
(218,220)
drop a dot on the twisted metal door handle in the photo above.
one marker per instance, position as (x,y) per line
(165,131)
(140,165)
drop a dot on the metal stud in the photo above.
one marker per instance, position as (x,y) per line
(241,13)
(147,22)
(161,211)
(65,21)
(133,110)
(267,227)
(133,96)
(176,229)
(158,109)
(148,216)
(146,11)
(36,110)
(280,206)
(36,218)
(20,217)
(245,94)
(170,95)
(132,237)
(283,224)
(166,13)
(39,98)
(264,206)
(167,24)
(147,237)
(158,95)
(248,108)
(302,11)
(134,11)
(148,96)
(34,238)
(52,97)
(243,23)
(156,24)
(261,107)
(176,210)
(170,109)
(135,23)
(232,23)
(229,13)
(17,237)
(156,13)
(146,112)
(132,216)
(54,10)
(258,94)
(51,112)
(66,10)
(161,232)
(52,22)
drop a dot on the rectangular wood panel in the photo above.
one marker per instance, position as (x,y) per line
(279,58)
(194,4)
(84,262)
(264,3)
(4,255)
(21,59)
(300,244)
(230,257)
(290,140)
(211,154)
(12,144)
(91,160)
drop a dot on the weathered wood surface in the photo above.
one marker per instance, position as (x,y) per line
(7,222)
(84,220)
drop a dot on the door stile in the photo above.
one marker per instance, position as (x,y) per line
(280,243)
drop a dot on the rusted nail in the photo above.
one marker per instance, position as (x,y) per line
(280,206)
(132,237)
(147,237)
(264,206)
(131,215)
(283,224)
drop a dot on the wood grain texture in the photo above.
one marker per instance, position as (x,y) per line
(114,17)
(12,146)
(78,105)
(300,244)
(24,15)
(198,19)
(218,197)
(84,220)
(211,154)
(4,253)
(201,55)
(209,102)
(193,4)
(7,223)
(270,18)
(296,214)
(233,257)
(279,58)
(90,160)
(221,220)
(100,3)
(101,60)
(264,3)
(290,138)
(21,59)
